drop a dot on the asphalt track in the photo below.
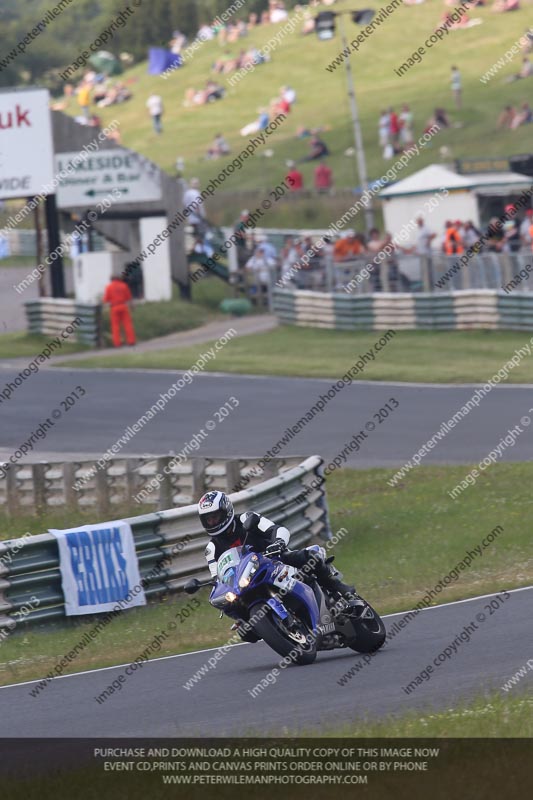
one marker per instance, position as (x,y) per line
(115,399)
(153,702)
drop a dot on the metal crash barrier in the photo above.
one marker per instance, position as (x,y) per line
(169,544)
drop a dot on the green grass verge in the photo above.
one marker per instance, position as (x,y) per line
(418,356)
(494,715)
(401,543)
(22,345)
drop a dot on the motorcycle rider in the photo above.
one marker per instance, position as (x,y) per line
(227,530)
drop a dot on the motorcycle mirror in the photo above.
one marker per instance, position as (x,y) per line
(192,586)
(330,559)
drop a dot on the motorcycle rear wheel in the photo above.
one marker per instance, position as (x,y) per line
(271,631)
(370,632)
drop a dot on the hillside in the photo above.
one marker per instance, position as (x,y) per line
(301,61)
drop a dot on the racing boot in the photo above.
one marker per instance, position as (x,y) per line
(327,577)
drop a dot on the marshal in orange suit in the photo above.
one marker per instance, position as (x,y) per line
(118,295)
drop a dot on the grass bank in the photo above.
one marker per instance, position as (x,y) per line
(322,100)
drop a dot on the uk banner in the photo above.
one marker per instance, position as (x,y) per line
(99,568)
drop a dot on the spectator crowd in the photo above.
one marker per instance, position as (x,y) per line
(296,261)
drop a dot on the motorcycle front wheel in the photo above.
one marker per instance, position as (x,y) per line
(294,642)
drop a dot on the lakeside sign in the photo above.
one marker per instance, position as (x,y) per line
(103,172)
(26,144)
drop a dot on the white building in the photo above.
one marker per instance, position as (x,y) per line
(476,197)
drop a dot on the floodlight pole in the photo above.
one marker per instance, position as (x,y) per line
(356,124)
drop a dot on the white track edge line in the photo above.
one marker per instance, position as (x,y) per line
(206,374)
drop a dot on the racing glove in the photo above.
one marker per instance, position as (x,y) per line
(276,548)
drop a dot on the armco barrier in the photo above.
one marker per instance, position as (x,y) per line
(169,544)
(463,310)
(50,316)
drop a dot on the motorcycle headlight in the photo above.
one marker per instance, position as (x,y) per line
(230,597)
(249,572)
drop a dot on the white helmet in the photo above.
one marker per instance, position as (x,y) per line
(216,512)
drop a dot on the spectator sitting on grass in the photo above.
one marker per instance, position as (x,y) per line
(283,103)
(259,125)
(118,93)
(506,117)
(523,117)
(318,149)
(449,24)
(309,22)
(232,32)
(246,58)
(500,6)
(199,97)
(440,118)
(213,91)
(220,147)
(288,94)
(526,71)
(527,41)
(225,64)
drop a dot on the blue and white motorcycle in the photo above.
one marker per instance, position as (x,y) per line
(272,601)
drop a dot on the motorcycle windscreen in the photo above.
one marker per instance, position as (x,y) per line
(227,564)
